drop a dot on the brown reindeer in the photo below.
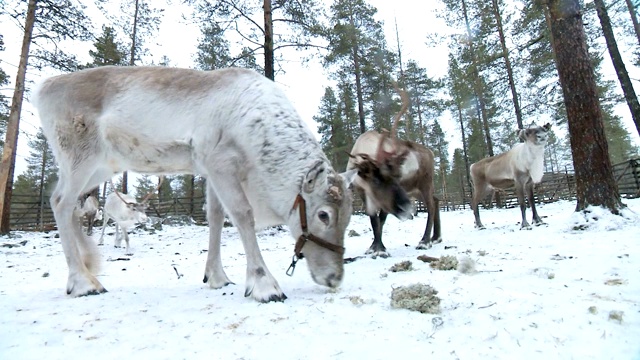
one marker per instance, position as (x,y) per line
(390,171)
(522,167)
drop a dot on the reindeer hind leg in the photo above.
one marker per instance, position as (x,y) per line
(79,251)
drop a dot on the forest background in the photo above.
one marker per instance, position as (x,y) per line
(476,71)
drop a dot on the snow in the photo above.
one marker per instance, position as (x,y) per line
(544,293)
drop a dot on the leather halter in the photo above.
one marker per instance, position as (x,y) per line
(297,255)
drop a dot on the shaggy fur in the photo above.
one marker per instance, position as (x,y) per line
(522,167)
(233,126)
(386,185)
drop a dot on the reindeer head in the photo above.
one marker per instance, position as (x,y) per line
(328,210)
(536,135)
(380,178)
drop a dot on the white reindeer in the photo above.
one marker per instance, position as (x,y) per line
(522,167)
(126,212)
(233,126)
(89,208)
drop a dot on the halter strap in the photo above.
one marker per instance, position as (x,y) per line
(302,239)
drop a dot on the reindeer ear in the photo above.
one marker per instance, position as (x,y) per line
(522,134)
(349,176)
(313,176)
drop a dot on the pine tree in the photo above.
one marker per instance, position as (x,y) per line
(213,48)
(37,183)
(108,51)
(47,22)
(352,34)
(332,130)
(457,181)
(438,143)
(284,24)
(425,102)
(594,175)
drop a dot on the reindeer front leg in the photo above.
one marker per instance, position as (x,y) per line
(377,248)
(214,274)
(225,180)
(536,219)
(523,206)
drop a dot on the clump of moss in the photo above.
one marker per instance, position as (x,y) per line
(402,266)
(446,262)
(353,233)
(593,310)
(467,266)
(616,315)
(416,297)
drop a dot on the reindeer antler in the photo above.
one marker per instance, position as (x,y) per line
(145,199)
(383,154)
(403,109)
(148,196)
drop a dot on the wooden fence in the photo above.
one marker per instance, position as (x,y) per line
(30,213)
(554,187)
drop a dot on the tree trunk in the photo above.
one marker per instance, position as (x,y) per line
(269,71)
(595,184)
(618,64)
(132,61)
(477,85)
(464,145)
(507,63)
(356,67)
(13,124)
(634,19)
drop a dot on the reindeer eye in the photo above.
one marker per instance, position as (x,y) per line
(324,217)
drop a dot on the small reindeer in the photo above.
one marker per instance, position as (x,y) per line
(522,167)
(89,208)
(125,212)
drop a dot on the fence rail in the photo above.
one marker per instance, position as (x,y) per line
(32,214)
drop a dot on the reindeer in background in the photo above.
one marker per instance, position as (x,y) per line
(390,171)
(126,212)
(89,208)
(522,167)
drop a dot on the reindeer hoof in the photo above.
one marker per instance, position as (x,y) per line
(375,251)
(426,245)
(375,254)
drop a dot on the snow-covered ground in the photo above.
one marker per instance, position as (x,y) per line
(546,293)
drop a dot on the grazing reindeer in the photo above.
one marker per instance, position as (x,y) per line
(389,171)
(89,208)
(522,167)
(233,126)
(125,212)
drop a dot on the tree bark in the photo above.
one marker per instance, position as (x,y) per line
(269,71)
(8,163)
(132,61)
(464,145)
(507,63)
(356,66)
(618,64)
(634,19)
(595,184)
